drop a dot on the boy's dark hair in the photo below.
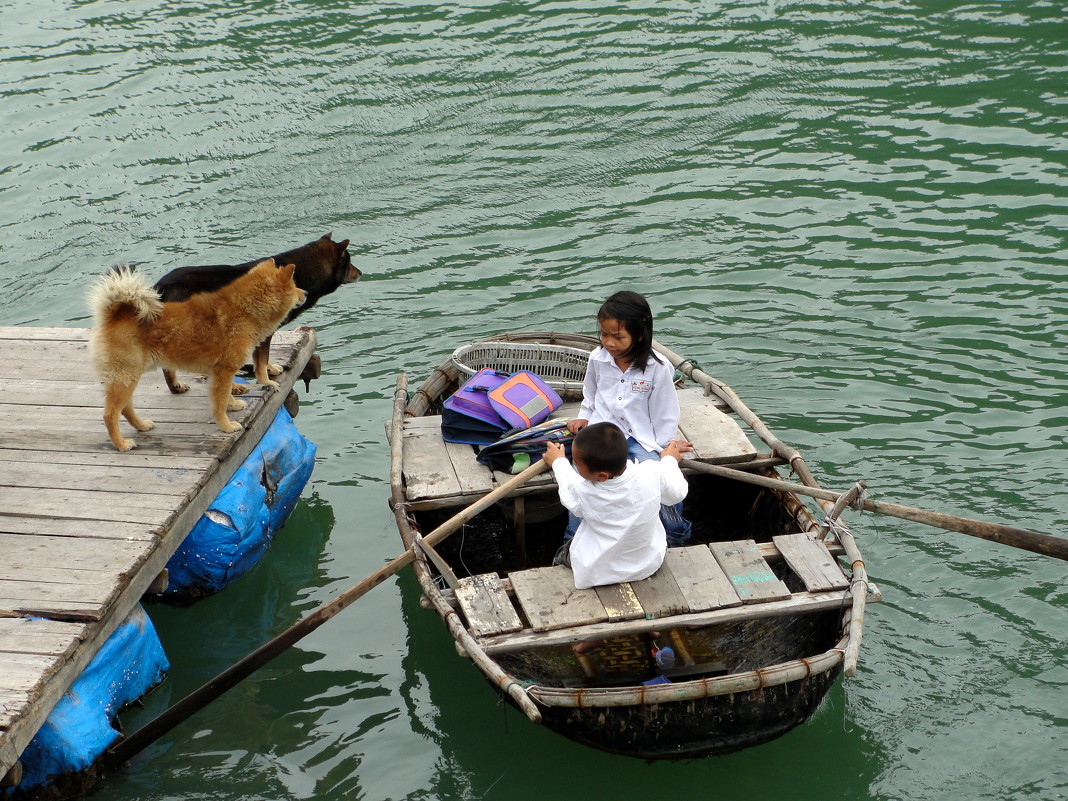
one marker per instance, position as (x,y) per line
(632,310)
(602,447)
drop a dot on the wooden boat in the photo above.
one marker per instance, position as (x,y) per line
(758,609)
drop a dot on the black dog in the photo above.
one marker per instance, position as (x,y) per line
(322,266)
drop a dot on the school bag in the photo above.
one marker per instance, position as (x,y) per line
(467,415)
(520,449)
(491,403)
(524,400)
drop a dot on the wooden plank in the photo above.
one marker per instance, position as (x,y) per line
(549,599)
(751,576)
(486,606)
(13,459)
(716,437)
(85,505)
(801,603)
(660,595)
(39,636)
(174,484)
(474,478)
(812,562)
(65,527)
(30,550)
(426,465)
(700,578)
(619,602)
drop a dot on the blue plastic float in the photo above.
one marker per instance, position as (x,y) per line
(239,525)
(80,726)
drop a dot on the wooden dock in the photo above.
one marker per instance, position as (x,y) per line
(86,530)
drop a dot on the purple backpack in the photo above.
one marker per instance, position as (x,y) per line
(468,416)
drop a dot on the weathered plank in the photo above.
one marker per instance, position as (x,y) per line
(660,595)
(619,602)
(67,527)
(87,505)
(716,437)
(486,605)
(550,600)
(700,578)
(751,576)
(427,468)
(474,478)
(812,562)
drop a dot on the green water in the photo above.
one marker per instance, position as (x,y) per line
(854,214)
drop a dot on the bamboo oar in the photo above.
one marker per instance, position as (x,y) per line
(1056,547)
(126,748)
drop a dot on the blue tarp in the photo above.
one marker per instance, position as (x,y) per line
(239,525)
(79,728)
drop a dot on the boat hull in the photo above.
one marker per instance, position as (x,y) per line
(696,728)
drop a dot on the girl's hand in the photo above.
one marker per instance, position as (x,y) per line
(553,451)
(575,426)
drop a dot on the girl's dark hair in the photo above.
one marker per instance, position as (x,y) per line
(633,312)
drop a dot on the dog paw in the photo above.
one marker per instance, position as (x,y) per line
(274,369)
(270,383)
(178,389)
(235,405)
(144,425)
(239,389)
(126,445)
(231,427)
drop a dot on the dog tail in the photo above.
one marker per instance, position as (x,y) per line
(124,288)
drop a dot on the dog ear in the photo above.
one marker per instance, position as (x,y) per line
(269,261)
(328,235)
(287,271)
(342,245)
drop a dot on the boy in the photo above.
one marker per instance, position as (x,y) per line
(620,537)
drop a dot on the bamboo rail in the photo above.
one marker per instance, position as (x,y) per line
(783,673)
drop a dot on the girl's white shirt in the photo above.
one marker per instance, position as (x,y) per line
(643,403)
(620,537)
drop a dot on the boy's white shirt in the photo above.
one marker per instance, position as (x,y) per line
(643,403)
(620,537)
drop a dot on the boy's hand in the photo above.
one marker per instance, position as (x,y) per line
(676,448)
(575,426)
(553,451)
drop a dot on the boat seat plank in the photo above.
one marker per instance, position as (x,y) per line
(751,576)
(700,578)
(473,477)
(716,437)
(812,562)
(620,602)
(660,595)
(549,599)
(486,606)
(427,468)
(801,603)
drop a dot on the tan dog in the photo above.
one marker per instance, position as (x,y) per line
(211,333)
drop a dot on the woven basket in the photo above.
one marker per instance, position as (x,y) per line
(559,366)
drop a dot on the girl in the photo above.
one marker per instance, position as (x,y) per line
(629,385)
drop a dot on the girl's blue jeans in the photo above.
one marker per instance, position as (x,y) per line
(677,527)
